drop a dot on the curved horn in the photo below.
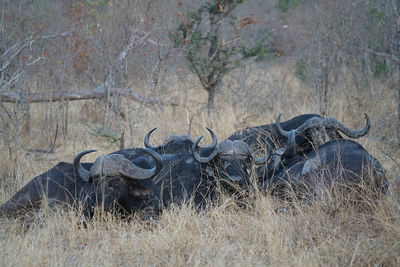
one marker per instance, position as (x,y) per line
(290,150)
(328,123)
(280,129)
(137,173)
(79,171)
(147,140)
(198,157)
(214,140)
(265,158)
(312,122)
(331,122)
(118,165)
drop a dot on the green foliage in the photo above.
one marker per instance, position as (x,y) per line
(42,8)
(301,70)
(377,14)
(93,13)
(378,20)
(285,5)
(215,6)
(95,2)
(379,67)
(103,133)
(95,8)
(376,17)
(209,54)
(261,50)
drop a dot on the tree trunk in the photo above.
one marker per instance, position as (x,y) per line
(397,112)
(398,108)
(210,102)
(397,55)
(322,90)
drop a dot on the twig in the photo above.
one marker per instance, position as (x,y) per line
(122,141)
(39,150)
(18,46)
(390,56)
(54,141)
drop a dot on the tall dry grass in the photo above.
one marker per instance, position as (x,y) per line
(265,232)
(224,235)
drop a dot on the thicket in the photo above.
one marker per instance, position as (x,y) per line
(123,51)
(213,44)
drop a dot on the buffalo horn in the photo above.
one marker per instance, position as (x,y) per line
(312,122)
(262,160)
(137,173)
(79,171)
(327,123)
(196,154)
(290,150)
(331,122)
(118,165)
(147,140)
(214,140)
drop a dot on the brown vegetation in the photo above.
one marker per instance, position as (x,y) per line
(267,232)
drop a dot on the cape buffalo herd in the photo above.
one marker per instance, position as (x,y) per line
(298,156)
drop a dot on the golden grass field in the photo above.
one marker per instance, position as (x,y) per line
(267,232)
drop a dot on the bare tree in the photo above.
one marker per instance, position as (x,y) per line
(342,38)
(396,50)
(97,52)
(202,36)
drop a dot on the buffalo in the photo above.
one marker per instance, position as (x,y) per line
(63,185)
(315,130)
(341,162)
(185,176)
(139,179)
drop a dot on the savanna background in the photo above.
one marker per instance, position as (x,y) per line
(94,74)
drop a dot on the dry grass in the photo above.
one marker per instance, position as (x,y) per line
(267,232)
(225,235)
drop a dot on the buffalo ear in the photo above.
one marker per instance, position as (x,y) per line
(311,165)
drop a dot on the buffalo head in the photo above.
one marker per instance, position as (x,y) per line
(116,165)
(230,160)
(318,128)
(177,143)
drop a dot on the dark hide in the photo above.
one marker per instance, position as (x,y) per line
(226,167)
(176,147)
(337,162)
(60,187)
(180,180)
(183,179)
(259,137)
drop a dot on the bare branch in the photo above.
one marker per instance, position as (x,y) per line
(18,46)
(390,56)
(96,93)
(394,6)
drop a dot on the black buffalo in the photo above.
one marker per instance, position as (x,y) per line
(315,130)
(341,162)
(180,180)
(184,176)
(63,185)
